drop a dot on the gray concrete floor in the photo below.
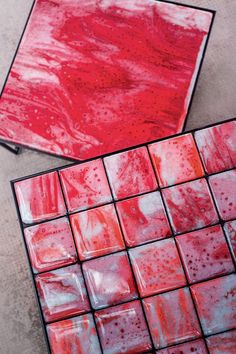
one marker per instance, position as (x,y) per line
(20,329)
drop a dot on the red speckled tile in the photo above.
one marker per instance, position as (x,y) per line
(172,318)
(195,347)
(130,173)
(224,343)
(40,198)
(76,335)
(157,267)
(97,232)
(62,293)
(205,254)
(176,160)
(217,146)
(85,185)
(102,76)
(215,300)
(223,186)
(190,206)
(143,219)
(50,245)
(109,280)
(123,329)
(230,230)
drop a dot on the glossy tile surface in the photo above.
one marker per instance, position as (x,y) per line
(176,160)
(126,69)
(196,347)
(230,230)
(85,185)
(143,219)
(223,186)
(205,254)
(76,335)
(157,267)
(97,232)
(109,280)
(40,198)
(224,343)
(217,146)
(122,329)
(172,318)
(50,245)
(190,206)
(130,173)
(62,293)
(220,293)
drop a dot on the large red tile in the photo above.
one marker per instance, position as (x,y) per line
(215,300)
(190,206)
(217,146)
(172,318)
(143,219)
(157,267)
(196,347)
(123,329)
(62,293)
(230,230)
(130,173)
(50,245)
(85,185)
(205,253)
(40,198)
(76,335)
(97,232)
(109,280)
(224,343)
(176,160)
(102,76)
(223,186)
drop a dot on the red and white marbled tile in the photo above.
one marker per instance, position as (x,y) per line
(190,206)
(176,160)
(85,185)
(215,301)
(109,280)
(230,230)
(143,219)
(76,335)
(62,293)
(50,245)
(40,198)
(97,232)
(123,329)
(102,76)
(224,343)
(217,146)
(157,267)
(172,318)
(205,253)
(196,347)
(223,186)
(130,172)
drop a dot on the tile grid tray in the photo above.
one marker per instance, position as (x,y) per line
(172,236)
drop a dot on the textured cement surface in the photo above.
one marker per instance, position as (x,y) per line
(214,100)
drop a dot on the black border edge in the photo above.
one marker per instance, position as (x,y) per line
(18,46)
(43,323)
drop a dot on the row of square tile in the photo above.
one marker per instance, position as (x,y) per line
(129,173)
(157,268)
(171,319)
(140,220)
